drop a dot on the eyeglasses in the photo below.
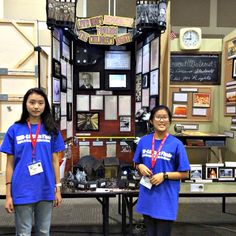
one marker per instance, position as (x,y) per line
(159,118)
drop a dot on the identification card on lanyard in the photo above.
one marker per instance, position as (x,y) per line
(34,167)
(154,157)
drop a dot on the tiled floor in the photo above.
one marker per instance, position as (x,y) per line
(197,217)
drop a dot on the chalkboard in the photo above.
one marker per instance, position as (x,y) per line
(195,69)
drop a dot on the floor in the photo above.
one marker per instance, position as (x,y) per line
(197,217)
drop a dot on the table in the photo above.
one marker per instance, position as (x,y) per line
(102,197)
(212,189)
(210,141)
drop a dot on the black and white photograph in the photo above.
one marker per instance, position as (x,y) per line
(226,172)
(145,81)
(125,123)
(56,68)
(87,121)
(63,84)
(89,80)
(234,69)
(56,96)
(146,59)
(154,82)
(56,110)
(196,171)
(69,111)
(138,88)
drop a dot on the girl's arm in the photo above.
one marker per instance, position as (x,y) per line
(9,171)
(56,167)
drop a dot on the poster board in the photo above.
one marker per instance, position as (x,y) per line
(191,103)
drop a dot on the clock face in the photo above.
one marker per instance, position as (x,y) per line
(190,38)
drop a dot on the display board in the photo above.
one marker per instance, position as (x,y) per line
(195,69)
(191,103)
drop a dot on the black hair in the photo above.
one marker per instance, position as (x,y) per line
(157,108)
(46,116)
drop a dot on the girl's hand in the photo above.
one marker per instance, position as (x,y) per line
(9,207)
(157,179)
(144,170)
(58,198)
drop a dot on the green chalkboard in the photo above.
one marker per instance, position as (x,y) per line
(195,69)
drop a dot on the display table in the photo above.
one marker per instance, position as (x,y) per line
(212,189)
(209,140)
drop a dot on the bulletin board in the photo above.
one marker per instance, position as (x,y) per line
(230,78)
(189,103)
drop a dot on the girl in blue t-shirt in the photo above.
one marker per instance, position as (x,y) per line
(162,161)
(32,145)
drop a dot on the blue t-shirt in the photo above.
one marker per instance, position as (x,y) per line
(28,189)
(161,202)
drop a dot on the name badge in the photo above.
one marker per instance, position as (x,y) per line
(35,168)
(145,181)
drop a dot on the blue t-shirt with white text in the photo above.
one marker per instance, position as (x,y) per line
(161,202)
(28,189)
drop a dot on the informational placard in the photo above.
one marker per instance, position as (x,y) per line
(195,69)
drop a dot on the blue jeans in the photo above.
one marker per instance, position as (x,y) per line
(41,212)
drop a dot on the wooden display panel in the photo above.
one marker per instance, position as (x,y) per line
(229,79)
(191,103)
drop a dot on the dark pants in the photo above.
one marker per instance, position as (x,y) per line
(156,227)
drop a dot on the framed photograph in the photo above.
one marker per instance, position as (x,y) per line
(56,90)
(145,81)
(180,97)
(226,172)
(65,51)
(87,121)
(63,104)
(154,82)
(69,95)
(139,61)
(146,59)
(145,97)
(125,123)
(56,48)
(155,53)
(199,112)
(196,171)
(43,70)
(69,111)
(110,107)
(179,110)
(63,84)
(69,75)
(231,110)
(96,102)
(56,68)
(124,105)
(234,68)
(117,60)
(89,80)
(117,81)
(201,100)
(56,111)
(211,172)
(63,67)
(231,97)
(153,102)
(138,88)
(82,103)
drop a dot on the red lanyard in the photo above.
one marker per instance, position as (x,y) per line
(34,140)
(154,158)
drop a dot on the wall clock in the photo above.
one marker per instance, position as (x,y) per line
(190,38)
